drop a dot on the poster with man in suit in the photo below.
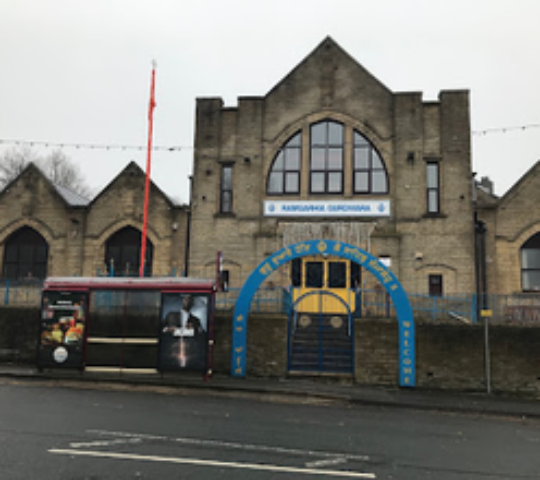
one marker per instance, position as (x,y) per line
(184,326)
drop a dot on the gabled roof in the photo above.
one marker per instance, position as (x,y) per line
(140,173)
(68,196)
(329,42)
(526,177)
(71,197)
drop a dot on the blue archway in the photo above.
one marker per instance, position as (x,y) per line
(407,349)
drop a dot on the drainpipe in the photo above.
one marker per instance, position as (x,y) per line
(188,228)
(481,283)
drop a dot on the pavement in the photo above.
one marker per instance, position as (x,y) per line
(314,388)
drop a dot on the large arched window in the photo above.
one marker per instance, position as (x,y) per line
(530,264)
(334,167)
(284,175)
(369,171)
(326,157)
(123,253)
(25,255)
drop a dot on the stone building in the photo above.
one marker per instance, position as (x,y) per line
(511,235)
(330,152)
(48,230)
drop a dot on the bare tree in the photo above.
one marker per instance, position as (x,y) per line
(13,162)
(57,166)
(62,171)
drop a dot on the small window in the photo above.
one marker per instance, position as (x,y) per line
(296,272)
(314,274)
(435,285)
(356,275)
(226,203)
(337,275)
(432,177)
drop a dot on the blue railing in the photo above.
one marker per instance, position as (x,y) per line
(26,292)
(513,309)
(272,300)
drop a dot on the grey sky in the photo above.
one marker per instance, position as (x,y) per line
(78,72)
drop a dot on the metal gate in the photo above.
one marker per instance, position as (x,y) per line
(320,340)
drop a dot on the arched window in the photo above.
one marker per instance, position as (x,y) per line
(366,171)
(369,170)
(284,175)
(25,255)
(530,264)
(123,253)
(326,157)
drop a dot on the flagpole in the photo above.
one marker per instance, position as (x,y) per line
(148,166)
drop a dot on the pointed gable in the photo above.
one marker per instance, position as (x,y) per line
(131,177)
(32,174)
(528,185)
(518,208)
(330,79)
(121,203)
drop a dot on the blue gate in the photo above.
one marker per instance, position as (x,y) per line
(320,341)
(407,347)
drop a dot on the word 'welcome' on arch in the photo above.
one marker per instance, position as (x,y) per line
(407,349)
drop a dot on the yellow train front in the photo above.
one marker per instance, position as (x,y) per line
(321,322)
(324,285)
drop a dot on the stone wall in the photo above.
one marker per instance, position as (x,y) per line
(19,328)
(449,357)
(266,345)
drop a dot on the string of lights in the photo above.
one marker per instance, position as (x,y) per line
(90,146)
(177,148)
(488,131)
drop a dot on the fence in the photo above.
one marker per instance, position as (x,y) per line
(509,309)
(26,292)
(514,309)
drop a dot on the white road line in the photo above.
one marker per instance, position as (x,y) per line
(212,463)
(237,446)
(105,443)
(107,433)
(324,463)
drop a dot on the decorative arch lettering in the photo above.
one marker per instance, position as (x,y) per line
(407,349)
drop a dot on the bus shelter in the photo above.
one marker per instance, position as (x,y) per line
(139,325)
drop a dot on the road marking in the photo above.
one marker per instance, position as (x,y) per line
(212,463)
(105,443)
(235,445)
(324,463)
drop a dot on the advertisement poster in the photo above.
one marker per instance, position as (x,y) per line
(183,331)
(62,329)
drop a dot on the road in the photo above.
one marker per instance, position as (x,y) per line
(63,430)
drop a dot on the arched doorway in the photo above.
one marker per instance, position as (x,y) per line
(407,349)
(123,253)
(26,255)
